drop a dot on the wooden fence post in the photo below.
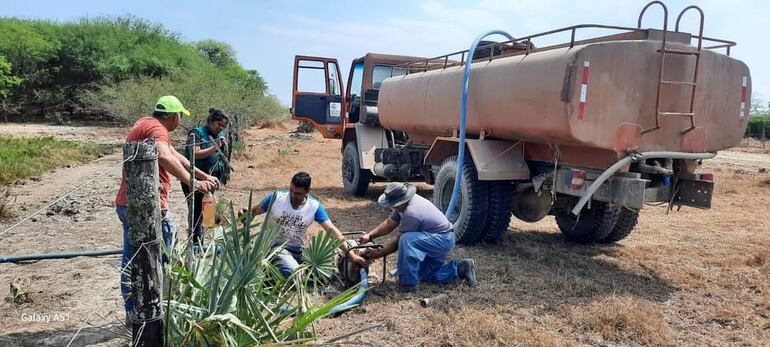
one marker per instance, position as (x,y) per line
(191,197)
(145,238)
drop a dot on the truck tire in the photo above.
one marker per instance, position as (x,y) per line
(471,220)
(499,210)
(593,225)
(354,178)
(626,223)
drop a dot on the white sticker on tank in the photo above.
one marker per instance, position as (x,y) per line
(744,97)
(334,109)
(583,92)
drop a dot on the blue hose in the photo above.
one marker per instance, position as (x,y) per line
(451,210)
(356,300)
(351,303)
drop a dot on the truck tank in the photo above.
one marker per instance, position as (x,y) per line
(601,94)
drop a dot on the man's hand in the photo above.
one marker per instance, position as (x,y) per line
(222,142)
(205,186)
(364,238)
(213,180)
(373,253)
(358,260)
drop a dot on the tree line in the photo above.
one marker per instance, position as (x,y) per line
(115,68)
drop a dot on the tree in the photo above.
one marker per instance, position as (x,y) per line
(218,53)
(7,80)
(758,106)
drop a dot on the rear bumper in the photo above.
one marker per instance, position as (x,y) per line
(632,191)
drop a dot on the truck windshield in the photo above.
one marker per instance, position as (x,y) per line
(381,72)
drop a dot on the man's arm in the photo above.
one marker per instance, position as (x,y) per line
(199,174)
(259,208)
(384,228)
(331,229)
(390,248)
(168,161)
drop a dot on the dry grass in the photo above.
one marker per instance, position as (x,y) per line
(479,327)
(274,124)
(752,145)
(625,319)
(693,277)
(759,260)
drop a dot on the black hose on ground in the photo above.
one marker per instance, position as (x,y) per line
(32,257)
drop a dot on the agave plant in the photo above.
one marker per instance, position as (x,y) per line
(318,257)
(232,294)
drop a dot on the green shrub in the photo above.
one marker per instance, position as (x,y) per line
(756,122)
(118,67)
(239,297)
(25,157)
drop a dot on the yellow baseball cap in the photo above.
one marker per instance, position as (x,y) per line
(170,104)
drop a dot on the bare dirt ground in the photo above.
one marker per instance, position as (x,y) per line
(692,277)
(82,133)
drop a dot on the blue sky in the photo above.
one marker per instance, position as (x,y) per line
(267,34)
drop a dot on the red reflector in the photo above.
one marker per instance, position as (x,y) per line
(707,177)
(578,179)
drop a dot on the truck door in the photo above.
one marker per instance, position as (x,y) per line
(317,95)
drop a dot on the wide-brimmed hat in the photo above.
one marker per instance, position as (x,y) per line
(396,194)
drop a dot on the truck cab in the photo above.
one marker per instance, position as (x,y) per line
(371,153)
(320,97)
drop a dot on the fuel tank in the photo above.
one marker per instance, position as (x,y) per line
(601,95)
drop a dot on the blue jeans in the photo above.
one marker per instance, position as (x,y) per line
(167,228)
(287,260)
(421,257)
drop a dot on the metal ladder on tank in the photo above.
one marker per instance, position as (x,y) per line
(665,50)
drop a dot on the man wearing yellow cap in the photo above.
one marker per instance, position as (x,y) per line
(165,118)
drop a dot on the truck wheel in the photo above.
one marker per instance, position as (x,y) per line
(355,179)
(593,225)
(499,210)
(470,222)
(626,223)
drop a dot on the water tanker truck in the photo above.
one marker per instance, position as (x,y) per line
(589,130)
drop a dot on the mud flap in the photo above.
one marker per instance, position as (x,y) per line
(694,193)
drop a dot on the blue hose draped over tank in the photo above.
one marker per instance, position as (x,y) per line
(451,212)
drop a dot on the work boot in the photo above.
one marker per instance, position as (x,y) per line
(466,270)
(408,289)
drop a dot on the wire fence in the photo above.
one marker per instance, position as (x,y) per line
(110,290)
(758,132)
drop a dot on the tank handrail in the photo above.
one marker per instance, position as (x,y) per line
(444,59)
(665,14)
(700,30)
(520,39)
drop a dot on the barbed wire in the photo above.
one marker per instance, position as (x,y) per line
(124,268)
(77,188)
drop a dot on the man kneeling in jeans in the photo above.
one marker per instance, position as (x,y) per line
(425,240)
